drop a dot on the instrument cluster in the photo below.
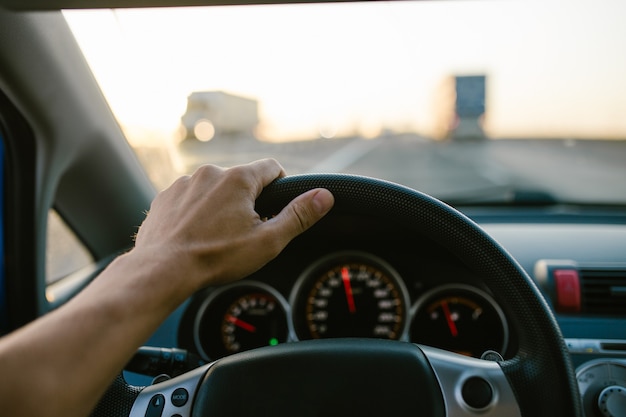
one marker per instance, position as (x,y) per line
(348,293)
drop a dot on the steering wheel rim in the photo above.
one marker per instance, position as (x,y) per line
(540,373)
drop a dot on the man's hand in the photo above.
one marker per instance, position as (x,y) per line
(207,226)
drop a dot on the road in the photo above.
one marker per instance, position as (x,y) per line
(569,170)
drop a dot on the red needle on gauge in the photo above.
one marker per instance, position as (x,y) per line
(240,323)
(451,324)
(345,276)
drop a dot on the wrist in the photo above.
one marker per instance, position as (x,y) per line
(144,282)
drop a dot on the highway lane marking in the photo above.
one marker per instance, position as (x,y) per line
(346,156)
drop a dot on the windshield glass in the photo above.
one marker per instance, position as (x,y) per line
(466,101)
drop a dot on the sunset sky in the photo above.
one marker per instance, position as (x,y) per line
(553,67)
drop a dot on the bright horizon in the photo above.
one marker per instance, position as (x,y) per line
(148,65)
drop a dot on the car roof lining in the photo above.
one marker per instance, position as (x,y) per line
(98,4)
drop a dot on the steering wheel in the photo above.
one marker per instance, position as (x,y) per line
(381,377)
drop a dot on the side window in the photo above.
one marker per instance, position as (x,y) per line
(65,253)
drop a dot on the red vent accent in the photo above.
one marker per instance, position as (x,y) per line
(567,283)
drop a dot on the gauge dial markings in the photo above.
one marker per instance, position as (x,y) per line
(459,318)
(350,294)
(241,316)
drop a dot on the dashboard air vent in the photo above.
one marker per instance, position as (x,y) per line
(603,291)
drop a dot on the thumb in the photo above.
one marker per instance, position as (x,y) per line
(303,212)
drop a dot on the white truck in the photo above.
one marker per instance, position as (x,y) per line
(213,114)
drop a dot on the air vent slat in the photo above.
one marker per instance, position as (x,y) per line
(602,291)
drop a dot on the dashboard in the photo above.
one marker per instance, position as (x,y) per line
(351,277)
(349,294)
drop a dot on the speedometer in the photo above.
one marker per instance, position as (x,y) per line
(350,294)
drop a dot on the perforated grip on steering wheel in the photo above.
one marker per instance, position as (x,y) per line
(118,400)
(541,372)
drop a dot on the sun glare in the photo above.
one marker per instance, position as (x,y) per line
(363,70)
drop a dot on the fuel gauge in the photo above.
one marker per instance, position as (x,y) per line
(461,319)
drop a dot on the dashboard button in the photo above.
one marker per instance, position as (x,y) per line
(567,285)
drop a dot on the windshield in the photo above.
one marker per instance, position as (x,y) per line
(462,100)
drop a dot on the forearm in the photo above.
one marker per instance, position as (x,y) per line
(61,364)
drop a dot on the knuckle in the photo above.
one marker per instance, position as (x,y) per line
(239,176)
(207,171)
(181,181)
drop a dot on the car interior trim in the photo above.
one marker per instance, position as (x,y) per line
(21,256)
(72,4)
(3,305)
(606,347)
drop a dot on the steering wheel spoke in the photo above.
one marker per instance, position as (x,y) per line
(171,397)
(336,376)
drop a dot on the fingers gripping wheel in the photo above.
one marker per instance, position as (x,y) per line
(542,359)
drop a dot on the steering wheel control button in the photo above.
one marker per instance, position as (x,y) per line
(612,401)
(180,396)
(156,406)
(477,392)
(160,378)
(491,355)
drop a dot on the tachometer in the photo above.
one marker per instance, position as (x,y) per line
(253,320)
(461,319)
(241,316)
(350,294)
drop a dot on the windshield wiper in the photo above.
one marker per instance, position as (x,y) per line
(502,196)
